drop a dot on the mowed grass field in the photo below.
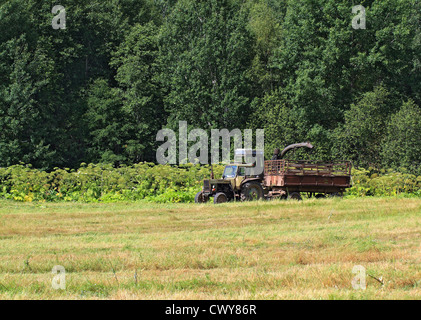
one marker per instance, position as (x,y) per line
(255,250)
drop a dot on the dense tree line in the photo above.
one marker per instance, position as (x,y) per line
(100,89)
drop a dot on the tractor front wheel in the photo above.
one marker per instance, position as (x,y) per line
(200,197)
(220,198)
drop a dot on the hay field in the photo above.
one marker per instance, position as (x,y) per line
(255,250)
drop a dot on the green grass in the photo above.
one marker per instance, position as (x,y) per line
(255,250)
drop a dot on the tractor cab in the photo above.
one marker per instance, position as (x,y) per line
(235,174)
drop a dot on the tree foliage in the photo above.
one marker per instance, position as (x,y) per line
(99,90)
(402,143)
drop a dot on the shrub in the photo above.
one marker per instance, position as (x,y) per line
(384,183)
(103,183)
(160,183)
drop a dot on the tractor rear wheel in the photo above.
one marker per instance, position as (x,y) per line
(252,191)
(220,198)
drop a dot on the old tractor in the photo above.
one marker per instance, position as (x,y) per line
(238,182)
(234,185)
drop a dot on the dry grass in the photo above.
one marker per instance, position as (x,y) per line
(258,250)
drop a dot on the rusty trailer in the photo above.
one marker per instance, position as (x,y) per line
(290,178)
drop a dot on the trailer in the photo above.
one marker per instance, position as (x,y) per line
(288,179)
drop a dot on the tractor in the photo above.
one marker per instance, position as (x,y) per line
(239,181)
(234,185)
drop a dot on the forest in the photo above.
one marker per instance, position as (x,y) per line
(99,90)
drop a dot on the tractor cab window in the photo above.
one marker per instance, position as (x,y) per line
(230,171)
(241,171)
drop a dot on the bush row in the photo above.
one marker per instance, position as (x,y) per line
(384,182)
(159,183)
(103,183)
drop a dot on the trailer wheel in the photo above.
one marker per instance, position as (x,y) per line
(336,195)
(320,196)
(220,198)
(252,191)
(200,197)
(295,196)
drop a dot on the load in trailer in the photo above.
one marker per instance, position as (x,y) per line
(281,179)
(288,179)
